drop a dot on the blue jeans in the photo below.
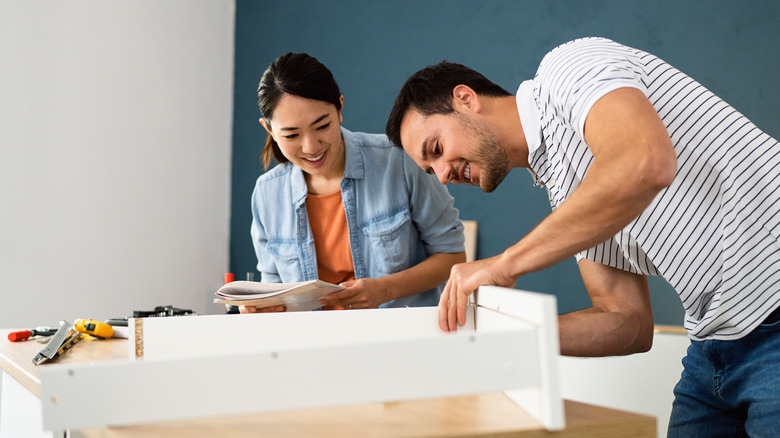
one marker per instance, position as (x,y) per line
(730,388)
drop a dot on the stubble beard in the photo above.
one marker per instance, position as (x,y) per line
(491,156)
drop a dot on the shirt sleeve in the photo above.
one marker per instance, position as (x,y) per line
(433,211)
(265,263)
(576,75)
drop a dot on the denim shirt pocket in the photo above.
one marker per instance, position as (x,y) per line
(285,257)
(389,237)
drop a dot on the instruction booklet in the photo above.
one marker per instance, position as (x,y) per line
(304,295)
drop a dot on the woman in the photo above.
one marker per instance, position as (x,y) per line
(347,208)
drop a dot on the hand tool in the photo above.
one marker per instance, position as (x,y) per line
(25,334)
(59,343)
(94,328)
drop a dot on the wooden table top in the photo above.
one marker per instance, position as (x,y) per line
(16,357)
(483,415)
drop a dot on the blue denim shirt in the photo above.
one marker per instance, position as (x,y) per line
(397,215)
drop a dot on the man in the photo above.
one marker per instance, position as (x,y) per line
(648,173)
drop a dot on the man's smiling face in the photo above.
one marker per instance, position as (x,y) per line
(455,147)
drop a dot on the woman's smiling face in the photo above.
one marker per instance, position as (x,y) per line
(308,134)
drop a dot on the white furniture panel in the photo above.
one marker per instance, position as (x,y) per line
(641,383)
(233,364)
(21,414)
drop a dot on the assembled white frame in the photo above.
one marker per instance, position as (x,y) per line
(210,366)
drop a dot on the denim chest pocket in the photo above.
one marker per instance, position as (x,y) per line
(285,257)
(390,239)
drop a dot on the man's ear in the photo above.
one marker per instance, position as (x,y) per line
(267,126)
(465,98)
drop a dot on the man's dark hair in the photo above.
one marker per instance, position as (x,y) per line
(298,74)
(429,91)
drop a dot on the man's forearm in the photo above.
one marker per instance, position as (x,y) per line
(590,216)
(594,333)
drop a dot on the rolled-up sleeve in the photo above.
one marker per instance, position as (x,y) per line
(433,211)
(265,263)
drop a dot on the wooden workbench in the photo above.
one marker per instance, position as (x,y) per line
(483,415)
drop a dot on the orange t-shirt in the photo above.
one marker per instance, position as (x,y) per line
(328,223)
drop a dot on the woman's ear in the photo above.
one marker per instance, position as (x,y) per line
(341,117)
(267,126)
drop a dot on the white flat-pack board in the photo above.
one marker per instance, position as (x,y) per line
(211,366)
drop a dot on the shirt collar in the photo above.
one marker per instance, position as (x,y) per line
(353,161)
(353,167)
(298,185)
(529,115)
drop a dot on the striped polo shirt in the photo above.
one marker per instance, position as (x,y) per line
(712,234)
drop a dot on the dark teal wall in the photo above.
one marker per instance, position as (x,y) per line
(372,46)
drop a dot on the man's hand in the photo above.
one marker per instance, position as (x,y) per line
(465,278)
(365,293)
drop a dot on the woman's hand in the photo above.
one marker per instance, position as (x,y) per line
(253,309)
(366,293)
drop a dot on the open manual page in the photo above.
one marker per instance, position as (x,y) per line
(304,295)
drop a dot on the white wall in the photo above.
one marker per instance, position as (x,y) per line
(115,148)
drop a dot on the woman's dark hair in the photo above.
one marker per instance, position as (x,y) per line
(429,91)
(297,74)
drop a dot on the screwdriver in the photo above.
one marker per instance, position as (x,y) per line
(94,328)
(24,334)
